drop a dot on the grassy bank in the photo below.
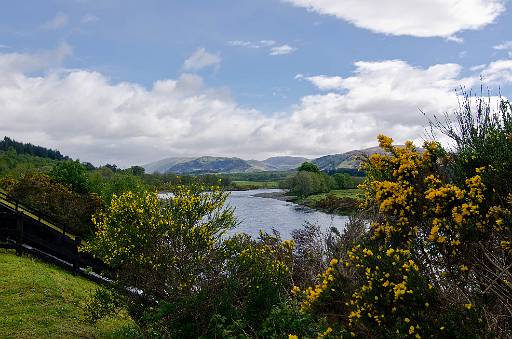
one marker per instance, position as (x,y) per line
(249,185)
(342,202)
(353,193)
(42,301)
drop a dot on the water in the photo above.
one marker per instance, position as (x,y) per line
(255,213)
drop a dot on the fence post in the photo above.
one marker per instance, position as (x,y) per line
(19,241)
(76,257)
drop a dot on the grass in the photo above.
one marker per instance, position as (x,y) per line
(255,184)
(39,300)
(346,193)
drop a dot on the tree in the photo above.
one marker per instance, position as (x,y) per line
(71,173)
(309,167)
(343,180)
(137,170)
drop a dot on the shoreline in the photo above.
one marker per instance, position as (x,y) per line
(283,196)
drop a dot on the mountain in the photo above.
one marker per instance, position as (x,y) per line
(161,166)
(211,165)
(208,164)
(284,163)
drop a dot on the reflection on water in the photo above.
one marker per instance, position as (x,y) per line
(255,213)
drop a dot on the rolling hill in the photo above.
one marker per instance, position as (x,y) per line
(206,164)
(209,164)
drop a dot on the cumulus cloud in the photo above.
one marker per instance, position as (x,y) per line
(498,72)
(86,115)
(323,82)
(58,21)
(282,50)
(201,59)
(434,18)
(13,63)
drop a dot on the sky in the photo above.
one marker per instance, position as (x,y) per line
(130,82)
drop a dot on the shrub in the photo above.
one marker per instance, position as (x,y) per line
(176,255)
(58,201)
(413,275)
(71,173)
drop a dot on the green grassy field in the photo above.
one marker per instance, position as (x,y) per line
(255,184)
(38,300)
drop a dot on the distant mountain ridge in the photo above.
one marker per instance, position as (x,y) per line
(206,164)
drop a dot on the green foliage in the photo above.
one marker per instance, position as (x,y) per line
(171,251)
(16,165)
(259,276)
(177,254)
(137,170)
(344,181)
(58,201)
(102,303)
(107,183)
(29,149)
(308,167)
(306,183)
(71,173)
(288,318)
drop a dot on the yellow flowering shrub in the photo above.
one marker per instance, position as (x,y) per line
(167,253)
(420,223)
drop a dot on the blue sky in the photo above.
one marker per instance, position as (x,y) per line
(281,77)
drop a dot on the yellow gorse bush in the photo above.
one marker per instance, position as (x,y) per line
(421,222)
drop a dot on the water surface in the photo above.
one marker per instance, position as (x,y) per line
(255,213)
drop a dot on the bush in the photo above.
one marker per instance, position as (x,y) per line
(58,201)
(71,173)
(415,275)
(176,255)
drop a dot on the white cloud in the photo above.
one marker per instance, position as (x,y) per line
(498,72)
(201,59)
(323,82)
(505,46)
(89,18)
(477,67)
(434,18)
(455,38)
(282,50)
(58,21)
(271,46)
(267,43)
(252,44)
(85,115)
(14,63)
